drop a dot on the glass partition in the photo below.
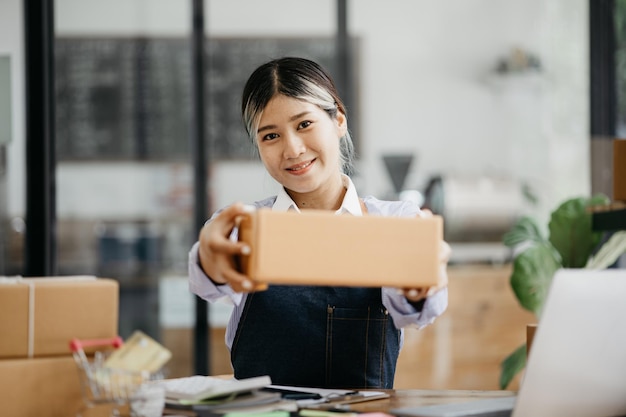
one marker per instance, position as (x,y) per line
(124,180)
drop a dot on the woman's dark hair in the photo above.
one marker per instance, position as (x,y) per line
(297,78)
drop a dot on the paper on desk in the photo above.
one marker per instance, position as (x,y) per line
(333,396)
(324,392)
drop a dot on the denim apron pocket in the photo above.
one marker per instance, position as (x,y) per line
(362,347)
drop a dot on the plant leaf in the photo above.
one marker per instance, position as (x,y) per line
(512,365)
(571,233)
(532,274)
(609,252)
(524,230)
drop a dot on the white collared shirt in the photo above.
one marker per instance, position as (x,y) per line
(403,313)
(350,204)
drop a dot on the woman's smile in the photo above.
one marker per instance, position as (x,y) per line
(301,168)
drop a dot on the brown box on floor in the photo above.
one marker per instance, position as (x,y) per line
(619,170)
(39,316)
(317,247)
(41,387)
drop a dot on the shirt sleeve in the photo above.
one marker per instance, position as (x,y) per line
(405,315)
(202,286)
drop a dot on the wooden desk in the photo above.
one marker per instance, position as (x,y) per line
(416,397)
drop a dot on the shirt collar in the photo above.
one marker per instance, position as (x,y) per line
(350,204)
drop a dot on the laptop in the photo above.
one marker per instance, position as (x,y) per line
(577,363)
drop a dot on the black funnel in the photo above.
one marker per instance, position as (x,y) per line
(398,168)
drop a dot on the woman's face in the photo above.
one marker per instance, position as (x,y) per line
(299,144)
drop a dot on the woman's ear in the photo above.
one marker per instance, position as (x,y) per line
(342,124)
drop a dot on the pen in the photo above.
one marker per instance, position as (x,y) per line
(302,396)
(325,413)
(346,397)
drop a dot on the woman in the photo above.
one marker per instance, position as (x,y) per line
(331,337)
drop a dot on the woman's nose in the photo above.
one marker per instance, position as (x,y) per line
(294,146)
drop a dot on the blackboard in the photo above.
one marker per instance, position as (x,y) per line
(130,98)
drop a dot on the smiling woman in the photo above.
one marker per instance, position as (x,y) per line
(318,336)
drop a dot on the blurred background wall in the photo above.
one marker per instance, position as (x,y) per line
(427,87)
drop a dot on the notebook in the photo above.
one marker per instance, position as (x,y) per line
(577,364)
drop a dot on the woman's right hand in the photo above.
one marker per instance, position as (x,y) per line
(217,252)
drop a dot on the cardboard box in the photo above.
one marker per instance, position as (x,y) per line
(39,316)
(44,387)
(317,247)
(619,170)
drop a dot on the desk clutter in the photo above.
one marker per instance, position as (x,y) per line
(198,388)
(286,413)
(203,396)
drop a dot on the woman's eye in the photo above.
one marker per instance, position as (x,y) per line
(269,136)
(304,124)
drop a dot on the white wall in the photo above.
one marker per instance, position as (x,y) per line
(428,89)
(426,85)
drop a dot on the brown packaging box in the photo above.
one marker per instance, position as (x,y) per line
(619,170)
(317,247)
(39,316)
(44,387)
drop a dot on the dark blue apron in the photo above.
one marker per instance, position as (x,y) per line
(329,337)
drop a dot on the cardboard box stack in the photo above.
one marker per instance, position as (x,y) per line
(38,317)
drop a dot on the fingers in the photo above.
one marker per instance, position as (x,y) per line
(217,251)
(220,267)
(230,217)
(416,294)
(237,281)
(425,213)
(220,244)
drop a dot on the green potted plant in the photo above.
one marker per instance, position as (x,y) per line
(571,243)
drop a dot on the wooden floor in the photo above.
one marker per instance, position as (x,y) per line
(461,350)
